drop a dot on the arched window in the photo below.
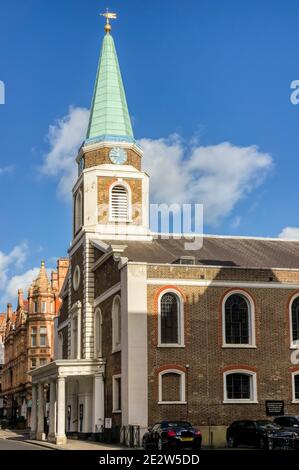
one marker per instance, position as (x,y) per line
(172,387)
(116,324)
(240,386)
(295,321)
(98,323)
(295,387)
(238,320)
(119,204)
(171,320)
(78,211)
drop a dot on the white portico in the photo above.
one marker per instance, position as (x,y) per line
(72,409)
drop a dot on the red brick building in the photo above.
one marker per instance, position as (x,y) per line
(29,339)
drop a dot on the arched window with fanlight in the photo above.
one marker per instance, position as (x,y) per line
(295,321)
(119,203)
(170,319)
(238,320)
(116,324)
(78,215)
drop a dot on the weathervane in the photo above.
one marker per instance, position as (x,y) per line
(109,16)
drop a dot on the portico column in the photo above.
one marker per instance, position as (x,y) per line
(61,437)
(33,412)
(40,436)
(98,402)
(52,423)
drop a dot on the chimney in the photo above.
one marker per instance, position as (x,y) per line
(62,268)
(9,311)
(20,298)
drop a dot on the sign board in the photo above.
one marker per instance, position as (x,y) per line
(274,407)
(108,423)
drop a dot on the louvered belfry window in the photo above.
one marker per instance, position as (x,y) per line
(119,204)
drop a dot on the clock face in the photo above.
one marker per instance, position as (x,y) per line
(118,155)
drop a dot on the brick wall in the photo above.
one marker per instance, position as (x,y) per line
(104,184)
(106,276)
(101,156)
(203,350)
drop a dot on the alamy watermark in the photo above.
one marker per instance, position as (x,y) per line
(2,92)
(176,221)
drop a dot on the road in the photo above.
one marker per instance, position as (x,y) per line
(8,444)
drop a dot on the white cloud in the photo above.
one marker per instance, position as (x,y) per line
(291,233)
(217,176)
(12,260)
(64,138)
(20,281)
(6,169)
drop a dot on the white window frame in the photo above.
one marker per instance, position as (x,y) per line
(43,306)
(293,344)
(114,396)
(253,387)
(127,187)
(182,375)
(78,211)
(251,311)
(116,345)
(33,334)
(181,332)
(45,335)
(98,333)
(294,399)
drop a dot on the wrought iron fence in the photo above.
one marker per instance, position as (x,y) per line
(126,435)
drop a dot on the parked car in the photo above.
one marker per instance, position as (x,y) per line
(172,434)
(288,422)
(251,433)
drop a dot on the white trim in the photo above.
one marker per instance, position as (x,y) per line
(294,400)
(108,293)
(181,332)
(116,324)
(76,279)
(114,377)
(253,387)
(293,344)
(127,187)
(76,243)
(251,320)
(209,283)
(182,375)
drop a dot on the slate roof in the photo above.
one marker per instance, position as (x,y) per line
(217,251)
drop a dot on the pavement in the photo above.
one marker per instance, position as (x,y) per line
(11,440)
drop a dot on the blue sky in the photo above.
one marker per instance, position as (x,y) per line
(209,71)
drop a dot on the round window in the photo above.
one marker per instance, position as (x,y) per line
(76,278)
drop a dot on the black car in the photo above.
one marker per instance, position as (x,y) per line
(172,434)
(251,433)
(288,422)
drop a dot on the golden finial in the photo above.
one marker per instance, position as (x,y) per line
(109,16)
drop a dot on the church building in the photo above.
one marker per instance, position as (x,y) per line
(149,330)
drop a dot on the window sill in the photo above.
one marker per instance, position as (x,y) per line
(294,347)
(241,346)
(295,402)
(240,402)
(172,403)
(171,345)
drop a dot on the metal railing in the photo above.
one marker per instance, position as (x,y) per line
(126,435)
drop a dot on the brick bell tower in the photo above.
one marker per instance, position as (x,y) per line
(111,195)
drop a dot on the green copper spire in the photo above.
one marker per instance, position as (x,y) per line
(109,116)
